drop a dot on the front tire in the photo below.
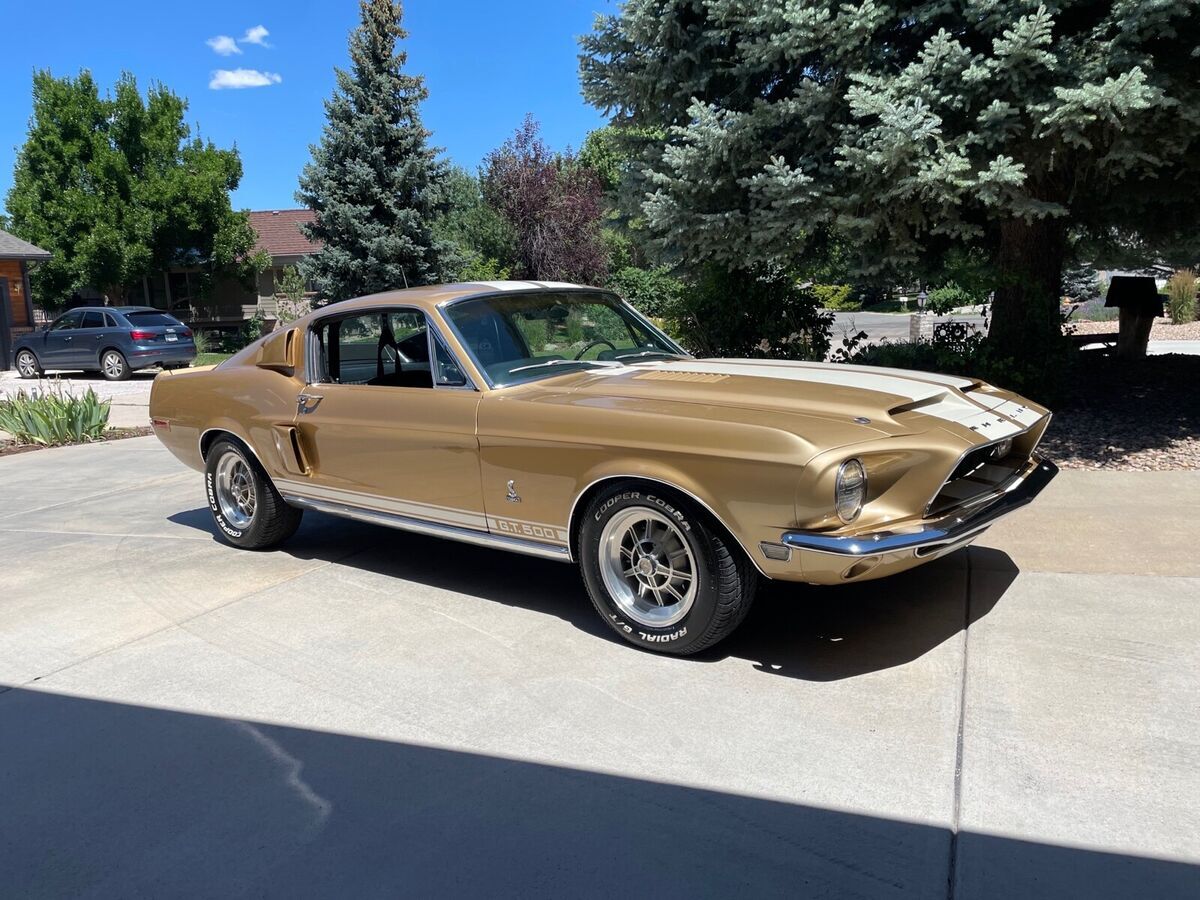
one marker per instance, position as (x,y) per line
(248,511)
(27,364)
(660,572)
(114,366)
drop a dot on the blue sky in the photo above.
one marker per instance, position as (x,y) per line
(486,64)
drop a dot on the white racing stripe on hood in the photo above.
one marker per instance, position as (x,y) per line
(940,399)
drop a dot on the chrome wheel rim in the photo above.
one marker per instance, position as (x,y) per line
(114,365)
(648,567)
(235,490)
(26,364)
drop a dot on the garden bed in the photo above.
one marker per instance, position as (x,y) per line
(1139,414)
(9,447)
(1162,330)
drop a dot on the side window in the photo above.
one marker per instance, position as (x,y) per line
(389,348)
(446,370)
(67,321)
(109,321)
(93,320)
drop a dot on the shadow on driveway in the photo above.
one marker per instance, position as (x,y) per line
(797,631)
(104,799)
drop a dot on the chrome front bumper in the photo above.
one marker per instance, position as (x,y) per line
(954,529)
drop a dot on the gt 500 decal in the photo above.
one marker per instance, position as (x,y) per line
(529,529)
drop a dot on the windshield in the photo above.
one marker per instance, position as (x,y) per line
(514,338)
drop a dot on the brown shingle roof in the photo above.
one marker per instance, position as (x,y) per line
(12,247)
(279,231)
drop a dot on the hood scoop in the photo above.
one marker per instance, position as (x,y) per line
(677,375)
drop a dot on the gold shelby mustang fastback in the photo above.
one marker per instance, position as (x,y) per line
(555,420)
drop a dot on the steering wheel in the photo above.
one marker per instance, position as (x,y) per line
(598,343)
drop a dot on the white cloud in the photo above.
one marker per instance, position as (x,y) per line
(242,78)
(256,35)
(223,45)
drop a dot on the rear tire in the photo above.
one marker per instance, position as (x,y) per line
(114,366)
(27,364)
(248,511)
(660,571)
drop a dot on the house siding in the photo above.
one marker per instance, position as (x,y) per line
(12,270)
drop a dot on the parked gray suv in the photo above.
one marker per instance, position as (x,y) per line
(112,340)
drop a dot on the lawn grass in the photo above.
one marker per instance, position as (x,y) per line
(210,359)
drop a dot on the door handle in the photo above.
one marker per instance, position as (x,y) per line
(306,403)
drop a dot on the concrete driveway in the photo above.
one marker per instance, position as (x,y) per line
(374,713)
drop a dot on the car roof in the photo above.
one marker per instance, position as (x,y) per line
(117,309)
(431,295)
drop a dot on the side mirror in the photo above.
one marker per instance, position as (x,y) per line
(281,352)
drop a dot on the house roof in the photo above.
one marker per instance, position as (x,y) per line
(12,247)
(279,231)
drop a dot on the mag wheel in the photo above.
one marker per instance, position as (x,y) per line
(27,365)
(660,572)
(245,506)
(114,366)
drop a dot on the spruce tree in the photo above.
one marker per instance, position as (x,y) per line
(374,182)
(1032,133)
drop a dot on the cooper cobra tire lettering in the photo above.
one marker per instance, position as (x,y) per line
(216,510)
(612,501)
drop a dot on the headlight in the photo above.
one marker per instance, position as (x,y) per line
(850,490)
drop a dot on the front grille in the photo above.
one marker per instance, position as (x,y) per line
(978,474)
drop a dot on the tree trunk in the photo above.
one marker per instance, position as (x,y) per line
(1025,310)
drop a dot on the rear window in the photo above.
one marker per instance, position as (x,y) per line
(151,318)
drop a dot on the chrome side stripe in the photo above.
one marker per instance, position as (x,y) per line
(434,529)
(427,511)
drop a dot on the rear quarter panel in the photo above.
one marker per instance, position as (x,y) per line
(244,400)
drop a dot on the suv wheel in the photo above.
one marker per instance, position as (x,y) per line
(114,366)
(659,571)
(248,511)
(27,364)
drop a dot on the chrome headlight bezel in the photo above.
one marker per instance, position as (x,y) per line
(850,490)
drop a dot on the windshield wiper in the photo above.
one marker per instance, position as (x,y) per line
(602,363)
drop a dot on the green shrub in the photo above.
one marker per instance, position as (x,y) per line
(652,292)
(751,314)
(49,416)
(477,267)
(1181,296)
(944,300)
(836,297)
(252,328)
(203,342)
(1042,374)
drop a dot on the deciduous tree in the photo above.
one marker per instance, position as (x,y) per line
(117,188)
(553,204)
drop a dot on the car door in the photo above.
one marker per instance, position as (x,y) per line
(87,340)
(383,429)
(58,351)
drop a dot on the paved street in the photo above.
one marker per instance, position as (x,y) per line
(885,326)
(369,712)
